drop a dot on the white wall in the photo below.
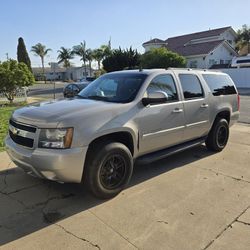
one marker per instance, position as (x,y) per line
(227,35)
(240,76)
(220,53)
(200,62)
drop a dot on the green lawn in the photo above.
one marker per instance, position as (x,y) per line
(5,113)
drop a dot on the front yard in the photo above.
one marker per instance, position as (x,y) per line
(5,113)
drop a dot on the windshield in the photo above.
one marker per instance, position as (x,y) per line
(120,88)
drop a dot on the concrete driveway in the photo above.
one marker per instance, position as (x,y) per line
(193,200)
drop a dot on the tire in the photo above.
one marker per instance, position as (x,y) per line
(108,169)
(218,135)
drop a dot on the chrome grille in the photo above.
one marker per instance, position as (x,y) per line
(22,134)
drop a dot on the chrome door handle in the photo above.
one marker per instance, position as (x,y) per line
(177,110)
(204,105)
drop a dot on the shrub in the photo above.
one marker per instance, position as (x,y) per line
(162,58)
(13,76)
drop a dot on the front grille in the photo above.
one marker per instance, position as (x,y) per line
(22,134)
(23,127)
(27,142)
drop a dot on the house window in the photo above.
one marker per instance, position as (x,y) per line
(212,62)
(193,64)
(221,61)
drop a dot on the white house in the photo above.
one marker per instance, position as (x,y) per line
(202,49)
(62,74)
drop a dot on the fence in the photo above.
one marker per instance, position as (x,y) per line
(20,96)
(240,76)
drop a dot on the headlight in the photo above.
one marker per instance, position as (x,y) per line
(55,138)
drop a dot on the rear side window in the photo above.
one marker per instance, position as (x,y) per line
(166,84)
(220,84)
(191,86)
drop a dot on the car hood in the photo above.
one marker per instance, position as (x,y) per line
(68,111)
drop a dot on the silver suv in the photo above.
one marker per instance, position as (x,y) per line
(120,118)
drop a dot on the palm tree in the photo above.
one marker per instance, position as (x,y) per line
(243,40)
(80,50)
(40,50)
(64,55)
(89,57)
(98,55)
(106,50)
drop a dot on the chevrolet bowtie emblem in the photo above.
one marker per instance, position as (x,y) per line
(15,131)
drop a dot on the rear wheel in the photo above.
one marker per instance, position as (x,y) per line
(218,135)
(108,169)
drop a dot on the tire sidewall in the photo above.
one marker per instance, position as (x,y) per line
(219,124)
(98,160)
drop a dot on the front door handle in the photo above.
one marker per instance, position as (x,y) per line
(204,105)
(177,110)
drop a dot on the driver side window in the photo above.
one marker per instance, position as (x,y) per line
(166,84)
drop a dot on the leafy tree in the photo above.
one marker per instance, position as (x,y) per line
(161,58)
(89,57)
(80,50)
(14,75)
(243,40)
(41,51)
(64,55)
(22,54)
(121,59)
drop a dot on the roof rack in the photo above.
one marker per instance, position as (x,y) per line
(189,69)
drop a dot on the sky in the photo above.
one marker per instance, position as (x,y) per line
(57,23)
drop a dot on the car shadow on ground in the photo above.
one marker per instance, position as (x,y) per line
(35,204)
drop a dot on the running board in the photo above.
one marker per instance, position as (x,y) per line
(158,155)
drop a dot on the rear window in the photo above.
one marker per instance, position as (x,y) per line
(220,84)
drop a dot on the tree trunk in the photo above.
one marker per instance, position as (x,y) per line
(89,68)
(44,77)
(85,70)
(99,64)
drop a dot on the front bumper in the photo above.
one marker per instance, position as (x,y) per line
(62,165)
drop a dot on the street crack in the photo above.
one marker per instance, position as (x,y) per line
(79,238)
(228,226)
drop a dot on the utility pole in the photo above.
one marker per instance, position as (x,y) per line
(7,56)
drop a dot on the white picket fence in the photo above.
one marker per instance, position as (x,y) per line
(240,76)
(21,96)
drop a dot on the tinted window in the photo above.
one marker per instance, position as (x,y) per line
(164,83)
(220,84)
(75,88)
(117,87)
(191,86)
(68,87)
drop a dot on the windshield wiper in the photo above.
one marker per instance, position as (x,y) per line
(98,98)
(82,97)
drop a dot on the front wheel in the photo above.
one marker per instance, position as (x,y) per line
(218,136)
(108,169)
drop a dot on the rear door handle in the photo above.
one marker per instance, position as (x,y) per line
(177,110)
(204,105)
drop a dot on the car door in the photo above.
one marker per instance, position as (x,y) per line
(196,106)
(161,125)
